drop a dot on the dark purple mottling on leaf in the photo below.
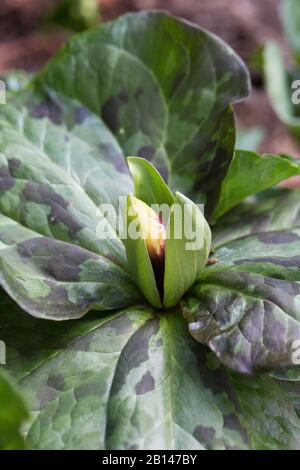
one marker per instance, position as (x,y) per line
(232,422)
(110,154)
(274,331)
(13,165)
(59,263)
(110,110)
(46,395)
(48,108)
(205,435)
(277,238)
(145,385)
(163,171)
(276,260)
(56,381)
(136,352)
(81,114)
(146,152)
(4,172)
(6,182)
(44,194)
(83,344)
(122,325)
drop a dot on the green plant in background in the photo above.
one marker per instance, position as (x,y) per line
(250,138)
(278,78)
(214,371)
(291,23)
(76,15)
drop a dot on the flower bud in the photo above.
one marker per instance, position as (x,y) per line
(152,230)
(164,258)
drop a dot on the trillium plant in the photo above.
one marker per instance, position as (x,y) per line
(182,330)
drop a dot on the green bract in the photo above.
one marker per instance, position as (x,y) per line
(125,371)
(166,275)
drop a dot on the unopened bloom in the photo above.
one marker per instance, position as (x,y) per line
(152,230)
(165,256)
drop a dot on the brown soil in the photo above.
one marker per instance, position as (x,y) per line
(22,43)
(244,24)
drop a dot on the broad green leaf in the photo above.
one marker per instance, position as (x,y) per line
(59,255)
(63,144)
(163,87)
(291,23)
(185,253)
(273,210)
(137,380)
(280,91)
(58,280)
(13,414)
(250,173)
(266,406)
(75,141)
(291,389)
(291,374)
(246,306)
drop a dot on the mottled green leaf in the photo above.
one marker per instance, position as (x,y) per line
(291,389)
(13,414)
(163,87)
(75,141)
(58,280)
(137,380)
(246,306)
(266,407)
(59,255)
(271,210)
(250,173)
(62,147)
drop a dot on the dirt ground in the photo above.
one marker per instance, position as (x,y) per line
(244,24)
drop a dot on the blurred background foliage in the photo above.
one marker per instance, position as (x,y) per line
(76,15)
(32,30)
